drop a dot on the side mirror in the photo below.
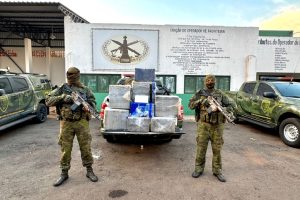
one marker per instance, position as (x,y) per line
(2,92)
(271,95)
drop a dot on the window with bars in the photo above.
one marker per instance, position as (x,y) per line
(168,81)
(195,83)
(99,82)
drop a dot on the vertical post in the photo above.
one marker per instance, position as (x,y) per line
(250,67)
(48,62)
(28,55)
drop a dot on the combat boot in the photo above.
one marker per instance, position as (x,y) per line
(63,177)
(196,174)
(220,177)
(90,174)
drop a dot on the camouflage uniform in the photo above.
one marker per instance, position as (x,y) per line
(73,122)
(210,126)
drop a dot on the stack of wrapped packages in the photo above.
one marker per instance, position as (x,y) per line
(136,108)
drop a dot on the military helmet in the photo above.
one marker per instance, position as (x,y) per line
(73,76)
(210,81)
(210,76)
(73,70)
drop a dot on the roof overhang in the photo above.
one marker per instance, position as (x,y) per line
(41,22)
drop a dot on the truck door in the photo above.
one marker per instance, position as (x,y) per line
(8,101)
(244,98)
(25,95)
(262,106)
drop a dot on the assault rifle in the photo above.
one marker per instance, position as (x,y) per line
(78,100)
(229,116)
(213,102)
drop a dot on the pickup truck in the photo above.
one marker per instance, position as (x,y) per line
(137,136)
(22,97)
(271,104)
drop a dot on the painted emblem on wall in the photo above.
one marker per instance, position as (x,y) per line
(125,49)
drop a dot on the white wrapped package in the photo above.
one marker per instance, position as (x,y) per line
(166,106)
(140,88)
(115,119)
(138,124)
(119,96)
(163,124)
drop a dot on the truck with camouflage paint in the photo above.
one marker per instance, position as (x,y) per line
(271,104)
(22,97)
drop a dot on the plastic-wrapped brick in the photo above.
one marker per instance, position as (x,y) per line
(138,124)
(166,106)
(119,96)
(115,119)
(163,124)
(144,75)
(141,88)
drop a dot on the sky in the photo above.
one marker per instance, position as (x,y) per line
(265,14)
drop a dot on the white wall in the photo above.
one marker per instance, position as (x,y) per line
(278,54)
(57,62)
(172,50)
(182,50)
(201,50)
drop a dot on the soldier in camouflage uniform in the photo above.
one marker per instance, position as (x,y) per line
(210,126)
(73,123)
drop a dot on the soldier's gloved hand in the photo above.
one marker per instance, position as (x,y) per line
(204,101)
(198,101)
(213,107)
(85,108)
(67,98)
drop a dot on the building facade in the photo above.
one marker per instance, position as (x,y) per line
(180,54)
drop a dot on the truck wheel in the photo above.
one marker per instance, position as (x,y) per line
(236,120)
(110,139)
(289,131)
(41,114)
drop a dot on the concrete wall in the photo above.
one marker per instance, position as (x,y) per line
(54,69)
(181,50)
(278,54)
(178,50)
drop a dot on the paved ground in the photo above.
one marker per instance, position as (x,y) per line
(256,163)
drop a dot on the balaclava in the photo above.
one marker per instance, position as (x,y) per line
(73,77)
(210,81)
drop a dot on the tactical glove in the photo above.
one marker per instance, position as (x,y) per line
(204,101)
(67,98)
(212,106)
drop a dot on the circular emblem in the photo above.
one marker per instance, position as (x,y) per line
(124,49)
(3,103)
(265,106)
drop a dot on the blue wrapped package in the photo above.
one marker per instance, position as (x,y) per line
(144,75)
(141,109)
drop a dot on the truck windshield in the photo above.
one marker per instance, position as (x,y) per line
(288,89)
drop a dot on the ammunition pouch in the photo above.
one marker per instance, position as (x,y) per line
(197,114)
(213,118)
(68,115)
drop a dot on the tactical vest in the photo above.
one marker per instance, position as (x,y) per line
(214,117)
(68,114)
